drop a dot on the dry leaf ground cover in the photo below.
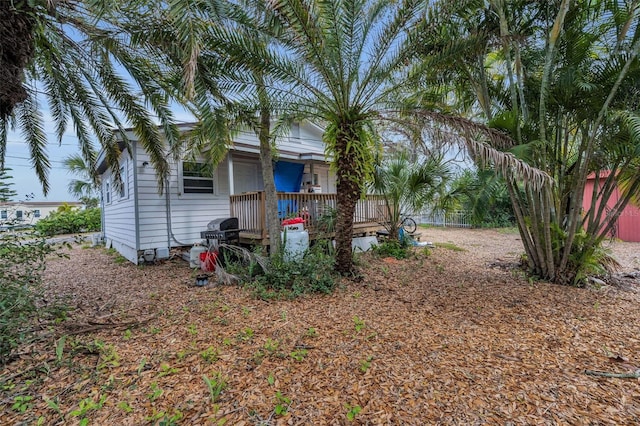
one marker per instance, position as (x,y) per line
(456,337)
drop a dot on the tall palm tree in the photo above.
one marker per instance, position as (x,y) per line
(75,58)
(563,83)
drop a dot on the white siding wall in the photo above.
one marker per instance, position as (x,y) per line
(308,141)
(119,213)
(190,213)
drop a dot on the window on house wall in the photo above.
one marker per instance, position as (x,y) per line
(18,214)
(125,184)
(36,213)
(197,178)
(107,192)
(3,214)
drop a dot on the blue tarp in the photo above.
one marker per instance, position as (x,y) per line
(288,178)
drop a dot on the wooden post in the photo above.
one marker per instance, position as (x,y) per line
(263,215)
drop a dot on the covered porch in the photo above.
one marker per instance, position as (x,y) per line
(317,209)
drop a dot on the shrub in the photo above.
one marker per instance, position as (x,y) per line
(21,266)
(393,248)
(70,222)
(282,279)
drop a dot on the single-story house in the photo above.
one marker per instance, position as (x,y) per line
(30,212)
(138,220)
(627,226)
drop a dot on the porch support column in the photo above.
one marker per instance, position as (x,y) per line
(232,190)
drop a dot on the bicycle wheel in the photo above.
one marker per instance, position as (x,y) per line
(409,225)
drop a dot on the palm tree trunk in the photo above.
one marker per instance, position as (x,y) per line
(348,187)
(16,50)
(266,161)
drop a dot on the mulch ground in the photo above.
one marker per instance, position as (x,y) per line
(455,337)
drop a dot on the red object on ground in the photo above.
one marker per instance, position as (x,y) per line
(293,221)
(208,261)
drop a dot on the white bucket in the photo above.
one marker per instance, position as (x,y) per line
(296,243)
(194,255)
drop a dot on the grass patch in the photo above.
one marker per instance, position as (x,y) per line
(449,246)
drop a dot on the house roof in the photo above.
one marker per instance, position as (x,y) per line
(237,146)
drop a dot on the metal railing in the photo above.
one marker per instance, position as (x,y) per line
(455,219)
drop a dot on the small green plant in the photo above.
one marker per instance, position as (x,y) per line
(271,345)
(282,404)
(365,364)
(216,385)
(210,354)
(311,332)
(124,406)
(108,355)
(358,323)
(193,330)
(156,392)
(22,403)
(87,405)
(221,320)
(141,365)
(227,341)
(245,311)
(246,334)
(283,315)
(271,379)
(299,354)
(60,347)
(127,334)
(352,411)
(166,370)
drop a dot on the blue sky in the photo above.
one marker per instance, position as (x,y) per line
(25,180)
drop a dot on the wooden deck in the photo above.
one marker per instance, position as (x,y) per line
(316,209)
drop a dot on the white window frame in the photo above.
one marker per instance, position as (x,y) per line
(213,178)
(107,191)
(124,176)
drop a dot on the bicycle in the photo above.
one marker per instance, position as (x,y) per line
(408,224)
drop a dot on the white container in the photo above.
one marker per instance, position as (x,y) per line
(363,243)
(162,253)
(149,255)
(194,255)
(296,243)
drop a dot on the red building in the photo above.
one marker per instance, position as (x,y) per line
(627,227)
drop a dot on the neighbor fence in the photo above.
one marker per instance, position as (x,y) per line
(455,219)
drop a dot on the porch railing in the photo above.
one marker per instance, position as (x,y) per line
(317,210)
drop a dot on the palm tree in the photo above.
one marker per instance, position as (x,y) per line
(562,81)
(408,186)
(63,54)
(84,188)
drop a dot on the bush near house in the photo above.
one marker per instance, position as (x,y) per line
(69,222)
(22,264)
